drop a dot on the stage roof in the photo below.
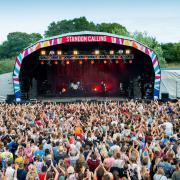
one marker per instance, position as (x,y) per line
(81,33)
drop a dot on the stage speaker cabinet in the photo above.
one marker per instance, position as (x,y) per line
(164,96)
(10,98)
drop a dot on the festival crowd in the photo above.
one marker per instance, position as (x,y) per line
(127,140)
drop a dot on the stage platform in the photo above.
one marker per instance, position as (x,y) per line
(78,99)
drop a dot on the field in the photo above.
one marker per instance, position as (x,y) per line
(6,65)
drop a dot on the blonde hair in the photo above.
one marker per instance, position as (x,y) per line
(160,171)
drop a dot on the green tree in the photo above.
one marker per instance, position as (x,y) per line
(171,52)
(66,26)
(152,43)
(16,42)
(114,28)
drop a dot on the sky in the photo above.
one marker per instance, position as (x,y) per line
(160,18)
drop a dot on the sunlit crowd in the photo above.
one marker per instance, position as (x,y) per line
(127,140)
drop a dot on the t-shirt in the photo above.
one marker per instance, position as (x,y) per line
(39,153)
(159,177)
(41,176)
(176,175)
(93,164)
(9,173)
(39,166)
(21,174)
(168,128)
(78,131)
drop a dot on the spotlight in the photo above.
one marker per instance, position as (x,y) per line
(42,62)
(63,90)
(111,52)
(67,62)
(43,52)
(120,51)
(127,51)
(59,52)
(55,62)
(97,52)
(117,62)
(80,62)
(92,61)
(130,61)
(75,52)
(105,61)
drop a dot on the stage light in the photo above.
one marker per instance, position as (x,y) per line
(55,62)
(111,52)
(85,58)
(130,61)
(43,52)
(120,51)
(42,62)
(80,62)
(127,51)
(59,52)
(97,52)
(92,61)
(67,62)
(75,52)
(105,61)
(96,88)
(117,62)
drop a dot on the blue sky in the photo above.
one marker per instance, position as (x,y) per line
(160,18)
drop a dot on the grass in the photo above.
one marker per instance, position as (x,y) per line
(6,65)
(175,64)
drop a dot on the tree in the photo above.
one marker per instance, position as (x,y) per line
(171,52)
(16,42)
(114,28)
(152,43)
(66,26)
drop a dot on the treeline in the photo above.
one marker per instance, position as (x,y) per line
(16,41)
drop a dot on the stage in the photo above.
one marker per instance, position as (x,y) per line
(79,99)
(86,66)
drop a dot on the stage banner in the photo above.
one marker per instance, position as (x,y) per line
(67,39)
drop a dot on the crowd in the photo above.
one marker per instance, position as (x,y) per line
(90,140)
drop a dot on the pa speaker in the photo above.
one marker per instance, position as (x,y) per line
(164,95)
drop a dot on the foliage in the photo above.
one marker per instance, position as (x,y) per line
(171,52)
(66,26)
(82,24)
(16,41)
(152,43)
(114,28)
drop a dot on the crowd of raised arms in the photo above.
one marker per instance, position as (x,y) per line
(90,140)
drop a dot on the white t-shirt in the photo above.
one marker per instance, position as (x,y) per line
(168,128)
(9,173)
